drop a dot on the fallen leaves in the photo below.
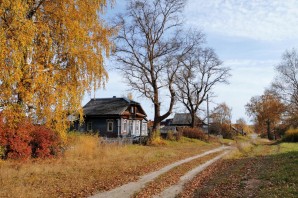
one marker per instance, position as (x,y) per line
(75,175)
(171,177)
(265,173)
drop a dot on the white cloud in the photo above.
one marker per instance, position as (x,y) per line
(249,78)
(266,20)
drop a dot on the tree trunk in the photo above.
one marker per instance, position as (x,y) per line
(156,122)
(268,129)
(192,119)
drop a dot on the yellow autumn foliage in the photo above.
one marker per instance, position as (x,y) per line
(52,51)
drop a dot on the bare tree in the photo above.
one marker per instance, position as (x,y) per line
(286,84)
(240,125)
(148,46)
(222,114)
(221,120)
(287,79)
(201,70)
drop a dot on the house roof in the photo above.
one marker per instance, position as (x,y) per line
(184,119)
(109,106)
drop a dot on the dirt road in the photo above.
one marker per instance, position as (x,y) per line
(130,189)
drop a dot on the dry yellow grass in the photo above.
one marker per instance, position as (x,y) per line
(88,167)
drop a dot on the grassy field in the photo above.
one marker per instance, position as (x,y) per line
(88,167)
(256,169)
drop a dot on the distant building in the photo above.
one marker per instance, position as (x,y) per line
(114,117)
(184,119)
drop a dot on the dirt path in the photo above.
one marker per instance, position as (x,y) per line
(131,188)
(174,190)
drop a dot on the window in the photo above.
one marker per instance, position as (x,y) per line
(89,126)
(131,126)
(137,127)
(124,125)
(132,109)
(110,125)
(144,127)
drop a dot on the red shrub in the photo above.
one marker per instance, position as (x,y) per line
(23,140)
(15,140)
(45,142)
(194,133)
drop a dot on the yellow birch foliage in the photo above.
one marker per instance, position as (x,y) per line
(52,51)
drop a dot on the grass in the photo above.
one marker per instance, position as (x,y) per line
(257,169)
(226,141)
(88,167)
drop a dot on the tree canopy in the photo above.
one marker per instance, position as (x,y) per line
(52,51)
(264,109)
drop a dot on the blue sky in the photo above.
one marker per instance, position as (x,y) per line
(249,36)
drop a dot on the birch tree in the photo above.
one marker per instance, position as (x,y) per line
(52,51)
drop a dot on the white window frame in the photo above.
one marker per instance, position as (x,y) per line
(110,122)
(131,127)
(127,125)
(137,127)
(124,125)
(144,126)
(89,126)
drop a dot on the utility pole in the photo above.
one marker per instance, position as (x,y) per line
(208,115)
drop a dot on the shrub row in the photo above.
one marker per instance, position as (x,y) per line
(24,140)
(291,135)
(194,133)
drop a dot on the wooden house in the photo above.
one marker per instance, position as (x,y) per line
(182,120)
(114,117)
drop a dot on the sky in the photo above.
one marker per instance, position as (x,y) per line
(248,36)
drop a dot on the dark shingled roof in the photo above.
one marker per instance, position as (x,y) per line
(183,119)
(108,106)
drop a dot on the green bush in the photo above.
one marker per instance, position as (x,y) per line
(291,135)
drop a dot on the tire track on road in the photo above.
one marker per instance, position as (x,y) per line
(128,190)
